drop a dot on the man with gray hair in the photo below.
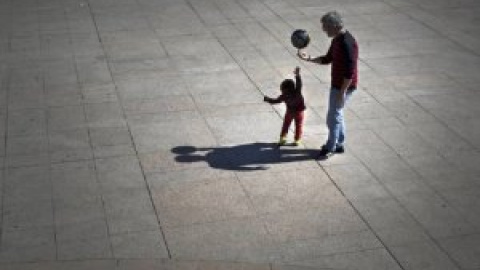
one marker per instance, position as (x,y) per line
(343,56)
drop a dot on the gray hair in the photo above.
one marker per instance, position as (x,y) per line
(332,18)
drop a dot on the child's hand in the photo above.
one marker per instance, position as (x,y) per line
(297,71)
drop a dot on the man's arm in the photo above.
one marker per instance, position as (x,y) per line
(322,60)
(350,62)
(349,52)
(325,59)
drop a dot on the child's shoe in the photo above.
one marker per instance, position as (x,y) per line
(297,142)
(282,141)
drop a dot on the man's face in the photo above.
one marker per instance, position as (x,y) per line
(331,31)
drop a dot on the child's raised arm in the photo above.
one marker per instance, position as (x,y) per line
(298,80)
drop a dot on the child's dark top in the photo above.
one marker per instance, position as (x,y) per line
(293,100)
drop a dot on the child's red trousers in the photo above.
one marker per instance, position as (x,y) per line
(297,117)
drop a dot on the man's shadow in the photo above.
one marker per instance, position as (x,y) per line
(244,157)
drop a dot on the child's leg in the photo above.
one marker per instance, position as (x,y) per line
(287,120)
(299,116)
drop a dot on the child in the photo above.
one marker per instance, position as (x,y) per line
(292,96)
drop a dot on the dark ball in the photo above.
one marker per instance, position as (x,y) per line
(300,39)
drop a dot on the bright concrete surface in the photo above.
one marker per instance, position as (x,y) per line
(135,137)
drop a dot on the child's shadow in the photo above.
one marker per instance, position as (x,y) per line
(244,157)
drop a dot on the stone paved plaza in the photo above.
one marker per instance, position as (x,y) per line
(135,137)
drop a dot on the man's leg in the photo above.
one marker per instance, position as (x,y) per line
(341,135)
(334,120)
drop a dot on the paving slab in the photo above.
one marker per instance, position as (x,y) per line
(135,136)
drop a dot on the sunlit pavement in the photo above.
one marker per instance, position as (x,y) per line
(136,137)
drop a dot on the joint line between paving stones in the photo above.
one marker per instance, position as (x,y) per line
(131,137)
(52,198)
(5,86)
